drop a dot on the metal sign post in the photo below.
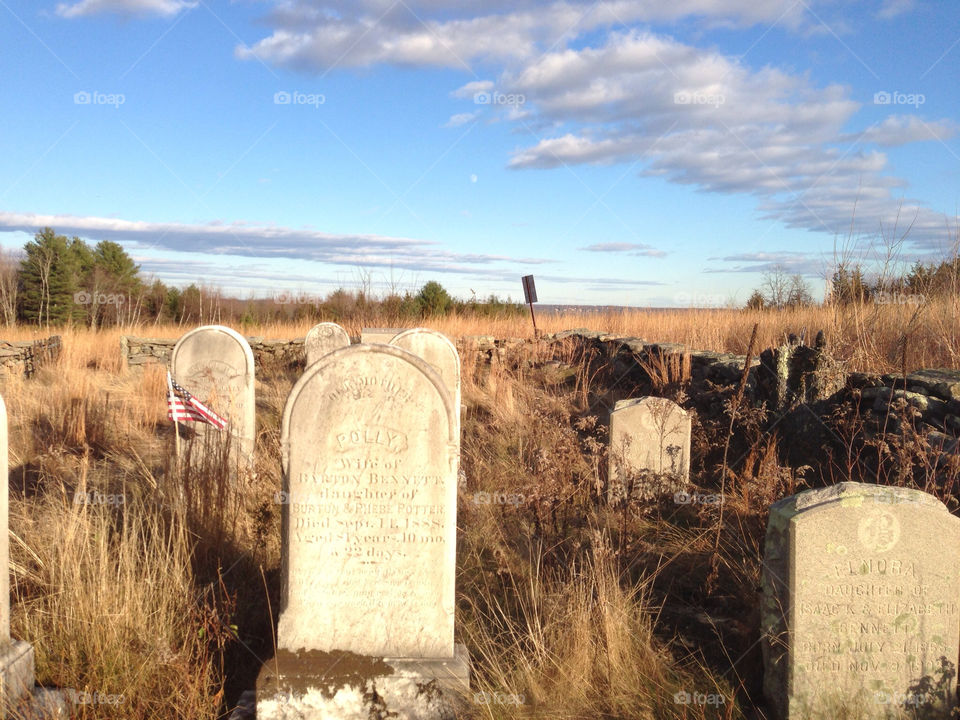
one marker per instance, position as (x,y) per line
(530,297)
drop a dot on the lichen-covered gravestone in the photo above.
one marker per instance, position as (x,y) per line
(440,353)
(369,543)
(649,453)
(323,338)
(16,656)
(861,590)
(215,363)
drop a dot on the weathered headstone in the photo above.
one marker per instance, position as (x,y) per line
(215,363)
(369,542)
(649,453)
(860,611)
(379,335)
(323,338)
(16,656)
(440,354)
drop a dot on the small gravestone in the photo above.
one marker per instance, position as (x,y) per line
(379,335)
(215,363)
(16,656)
(861,585)
(649,453)
(440,354)
(323,338)
(369,543)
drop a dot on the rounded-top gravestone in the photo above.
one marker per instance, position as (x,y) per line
(370,493)
(439,352)
(323,338)
(215,363)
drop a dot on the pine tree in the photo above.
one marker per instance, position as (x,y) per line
(48,278)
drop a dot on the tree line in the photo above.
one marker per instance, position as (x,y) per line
(56,281)
(850,284)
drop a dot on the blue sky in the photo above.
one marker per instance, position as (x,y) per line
(630,152)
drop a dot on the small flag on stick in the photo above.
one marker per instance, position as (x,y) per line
(184,407)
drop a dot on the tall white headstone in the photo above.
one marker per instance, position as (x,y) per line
(369,541)
(323,338)
(216,364)
(16,656)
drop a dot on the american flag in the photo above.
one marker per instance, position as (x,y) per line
(184,407)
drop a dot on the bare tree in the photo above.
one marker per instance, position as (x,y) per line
(776,286)
(9,285)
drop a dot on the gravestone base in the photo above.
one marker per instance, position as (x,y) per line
(338,685)
(16,671)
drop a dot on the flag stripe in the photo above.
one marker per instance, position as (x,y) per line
(184,407)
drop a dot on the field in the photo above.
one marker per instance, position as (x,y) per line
(155,590)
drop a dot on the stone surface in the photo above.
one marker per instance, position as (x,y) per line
(215,363)
(860,610)
(323,338)
(440,353)
(346,686)
(370,486)
(16,673)
(16,657)
(942,383)
(649,452)
(379,335)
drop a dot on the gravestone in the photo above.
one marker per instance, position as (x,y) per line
(379,335)
(861,585)
(649,453)
(16,656)
(369,543)
(323,338)
(215,363)
(439,353)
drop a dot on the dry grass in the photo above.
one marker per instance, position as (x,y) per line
(571,609)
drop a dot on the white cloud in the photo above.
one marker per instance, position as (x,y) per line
(598,89)
(639,249)
(318,35)
(898,130)
(697,117)
(891,9)
(271,241)
(459,119)
(164,8)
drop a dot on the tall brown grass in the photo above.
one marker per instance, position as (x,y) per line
(570,608)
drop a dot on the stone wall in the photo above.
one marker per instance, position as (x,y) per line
(138,351)
(26,357)
(784,378)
